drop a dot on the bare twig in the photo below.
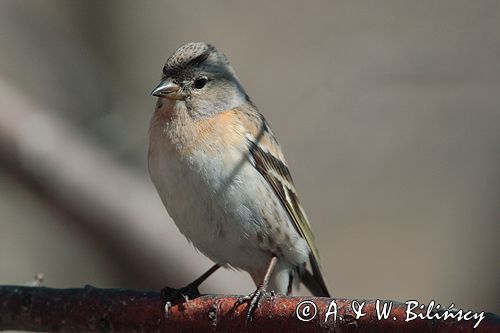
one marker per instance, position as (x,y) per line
(114,310)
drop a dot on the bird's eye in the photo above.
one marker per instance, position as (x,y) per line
(200,82)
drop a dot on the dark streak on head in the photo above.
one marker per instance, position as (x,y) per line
(187,56)
(201,58)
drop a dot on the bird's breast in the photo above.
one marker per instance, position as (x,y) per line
(198,168)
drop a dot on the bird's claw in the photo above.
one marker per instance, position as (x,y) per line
(253,302)
(185,293)
(172,295)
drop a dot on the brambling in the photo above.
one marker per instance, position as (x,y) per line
(222,176)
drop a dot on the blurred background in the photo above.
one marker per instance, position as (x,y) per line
(388,113)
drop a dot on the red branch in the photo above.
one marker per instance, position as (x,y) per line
(114,310)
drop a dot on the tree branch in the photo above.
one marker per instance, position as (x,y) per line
(116,310)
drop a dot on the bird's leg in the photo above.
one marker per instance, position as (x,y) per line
(188,292)
(253,298)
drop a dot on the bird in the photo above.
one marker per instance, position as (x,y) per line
(222,176)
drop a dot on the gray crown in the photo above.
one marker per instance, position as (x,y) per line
(194,53)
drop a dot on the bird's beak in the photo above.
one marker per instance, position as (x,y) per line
(167,88)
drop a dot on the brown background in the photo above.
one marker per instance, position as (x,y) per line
(388,112)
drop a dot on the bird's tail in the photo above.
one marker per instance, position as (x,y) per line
(315,281)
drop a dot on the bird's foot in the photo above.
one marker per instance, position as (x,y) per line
(172,295)
(253,302)
(185,293)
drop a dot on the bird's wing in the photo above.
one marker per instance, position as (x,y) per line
(268,159)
